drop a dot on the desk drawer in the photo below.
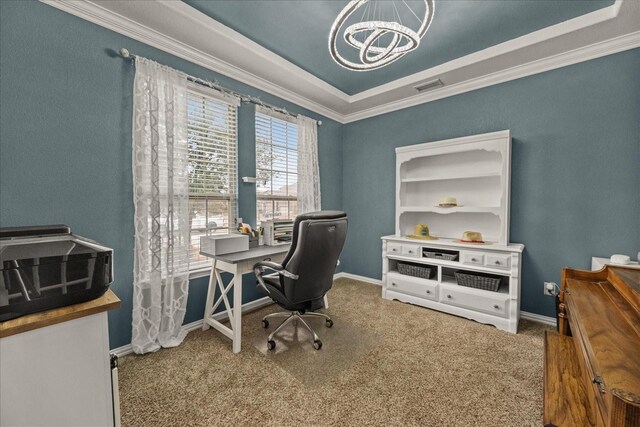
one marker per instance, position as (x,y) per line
(247,266)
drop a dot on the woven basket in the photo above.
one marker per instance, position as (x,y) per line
(440,255)
(487,282)
(416,270)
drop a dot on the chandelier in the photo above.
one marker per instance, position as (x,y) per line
(379,41)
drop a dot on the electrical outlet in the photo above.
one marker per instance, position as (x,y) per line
(550,289)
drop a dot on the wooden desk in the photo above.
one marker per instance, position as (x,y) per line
(237,263)
(592,369)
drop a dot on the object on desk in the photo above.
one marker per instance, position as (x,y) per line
(46,267)
(253,239)
(597,263)
(620,259)
(219,244)
(278,232)
(249,179)
(300,283)
(421,232)
(448,202)
(260,236)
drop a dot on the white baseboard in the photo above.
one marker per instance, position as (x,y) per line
(246,308)
(551,321)
(357,277)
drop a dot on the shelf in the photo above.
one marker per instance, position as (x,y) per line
(400,276)
(496,210)
(445,177)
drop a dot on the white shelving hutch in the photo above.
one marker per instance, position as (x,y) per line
(476,170)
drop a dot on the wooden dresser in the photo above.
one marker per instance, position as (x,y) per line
(592,366)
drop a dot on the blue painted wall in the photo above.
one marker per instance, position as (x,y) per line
(65,138)
(575,166)
(65,152)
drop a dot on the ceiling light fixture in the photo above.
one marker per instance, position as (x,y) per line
(367,35)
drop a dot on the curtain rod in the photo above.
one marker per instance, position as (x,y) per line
(124,53)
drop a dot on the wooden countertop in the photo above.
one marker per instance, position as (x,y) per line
(107,301)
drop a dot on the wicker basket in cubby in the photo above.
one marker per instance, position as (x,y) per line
(484,281)
(416,270)
(440,255)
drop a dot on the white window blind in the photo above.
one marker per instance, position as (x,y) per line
(276,165)
(212,168)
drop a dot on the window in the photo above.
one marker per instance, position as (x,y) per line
(212,167)
(276,166)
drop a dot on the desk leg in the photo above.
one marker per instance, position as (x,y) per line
(210,294)
(237,310)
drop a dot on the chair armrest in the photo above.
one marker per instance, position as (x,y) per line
(268,264)
(260,267)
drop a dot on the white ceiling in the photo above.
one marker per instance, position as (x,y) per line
(181,30)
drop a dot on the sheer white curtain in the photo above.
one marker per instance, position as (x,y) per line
(308,166)
(161,198)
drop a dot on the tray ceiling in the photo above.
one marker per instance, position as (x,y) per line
(298,31)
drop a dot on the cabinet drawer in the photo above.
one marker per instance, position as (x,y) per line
(418,287)
(498,305)
(475,258)
(498,261)
(394,248)
(410,250)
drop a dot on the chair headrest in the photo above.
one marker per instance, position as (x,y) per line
(321,215)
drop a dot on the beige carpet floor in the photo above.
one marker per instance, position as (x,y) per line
(383,363)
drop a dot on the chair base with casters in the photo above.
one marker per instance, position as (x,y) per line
(300,283)
(295,316)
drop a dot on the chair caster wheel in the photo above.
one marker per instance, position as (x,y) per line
(265,323)
(317,344)
(329,323)
(271,345)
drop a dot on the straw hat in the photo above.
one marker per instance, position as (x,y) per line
(472,237)
(421,231)
(448,202)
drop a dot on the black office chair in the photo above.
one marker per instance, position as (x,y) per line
(300,283)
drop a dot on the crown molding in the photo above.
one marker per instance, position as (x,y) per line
(241,59)
(522,42)
(100,15)
(596,50)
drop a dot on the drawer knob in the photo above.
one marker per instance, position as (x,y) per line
(496,306)
(473,259)
(428,291)
(394,250)
(449,296)
(410,252)
(393,284)
(497,262)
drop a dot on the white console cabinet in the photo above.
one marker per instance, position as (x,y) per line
(476,171)
(55,368)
